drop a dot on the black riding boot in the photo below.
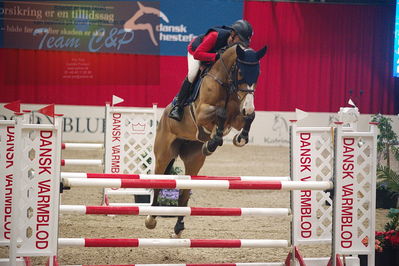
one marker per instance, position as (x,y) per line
(178,110)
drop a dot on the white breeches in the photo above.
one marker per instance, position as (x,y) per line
(193,67)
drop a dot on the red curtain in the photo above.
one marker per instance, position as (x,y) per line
(320,55)
(79,78)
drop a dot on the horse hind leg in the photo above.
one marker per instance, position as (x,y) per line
(191,154)
(150,220)
(184,196)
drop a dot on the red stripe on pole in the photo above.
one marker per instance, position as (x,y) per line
(204,177)
(127,210)
(150,183)
(62,162)
(215,243)
(63,146)
(215,211)
(116,176)
(255,185)
(104,242)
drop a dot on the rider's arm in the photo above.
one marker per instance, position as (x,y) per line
(208,43)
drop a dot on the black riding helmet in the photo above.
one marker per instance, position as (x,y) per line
(243,29)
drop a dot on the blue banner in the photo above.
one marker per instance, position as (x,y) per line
(186,19)
(137,27)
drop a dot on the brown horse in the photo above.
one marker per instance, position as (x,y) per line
(225,101)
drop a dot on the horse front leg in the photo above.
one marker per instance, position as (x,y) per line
(217,140)
(241,138)
(193,159)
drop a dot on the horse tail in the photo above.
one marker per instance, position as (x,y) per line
(169,168)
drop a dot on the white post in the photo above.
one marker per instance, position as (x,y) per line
(34,229)
(7,162)
(354,201)
(311,159)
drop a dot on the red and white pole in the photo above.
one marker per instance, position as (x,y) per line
(185,177)
(173,211)
(167,243)
(197,184)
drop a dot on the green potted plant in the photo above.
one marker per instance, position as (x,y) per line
(387,179)
(387,193)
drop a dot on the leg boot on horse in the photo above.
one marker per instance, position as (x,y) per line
(217,140)
(241,139)
(184,196)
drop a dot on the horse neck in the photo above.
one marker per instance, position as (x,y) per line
(222,67)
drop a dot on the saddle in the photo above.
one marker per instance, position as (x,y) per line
(202,135)
(194,92)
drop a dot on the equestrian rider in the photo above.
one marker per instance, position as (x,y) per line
(203,49)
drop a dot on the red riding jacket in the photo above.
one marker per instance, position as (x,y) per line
(204,47)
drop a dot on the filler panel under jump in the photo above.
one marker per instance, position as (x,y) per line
(129,140)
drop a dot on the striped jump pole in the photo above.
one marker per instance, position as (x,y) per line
(196,184)
(81,162)
(82,146)
(186,177)
(170,243)
(173,211)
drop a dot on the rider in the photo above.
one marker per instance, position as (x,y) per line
(204,49)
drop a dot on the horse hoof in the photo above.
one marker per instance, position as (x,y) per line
(205,150)
(237,143)
(174,235)
(150,222)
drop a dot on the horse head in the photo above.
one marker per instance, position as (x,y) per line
(246,72)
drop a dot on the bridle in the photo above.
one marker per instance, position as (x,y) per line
(233,83)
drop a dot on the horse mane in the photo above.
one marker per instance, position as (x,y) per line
(227,51)
(228,47)
(223,49)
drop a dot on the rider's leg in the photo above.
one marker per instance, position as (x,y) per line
(178,110)
(193,67)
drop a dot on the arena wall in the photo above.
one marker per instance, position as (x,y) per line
(87,123)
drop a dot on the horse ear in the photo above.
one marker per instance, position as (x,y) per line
(240,52)
(261,53)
